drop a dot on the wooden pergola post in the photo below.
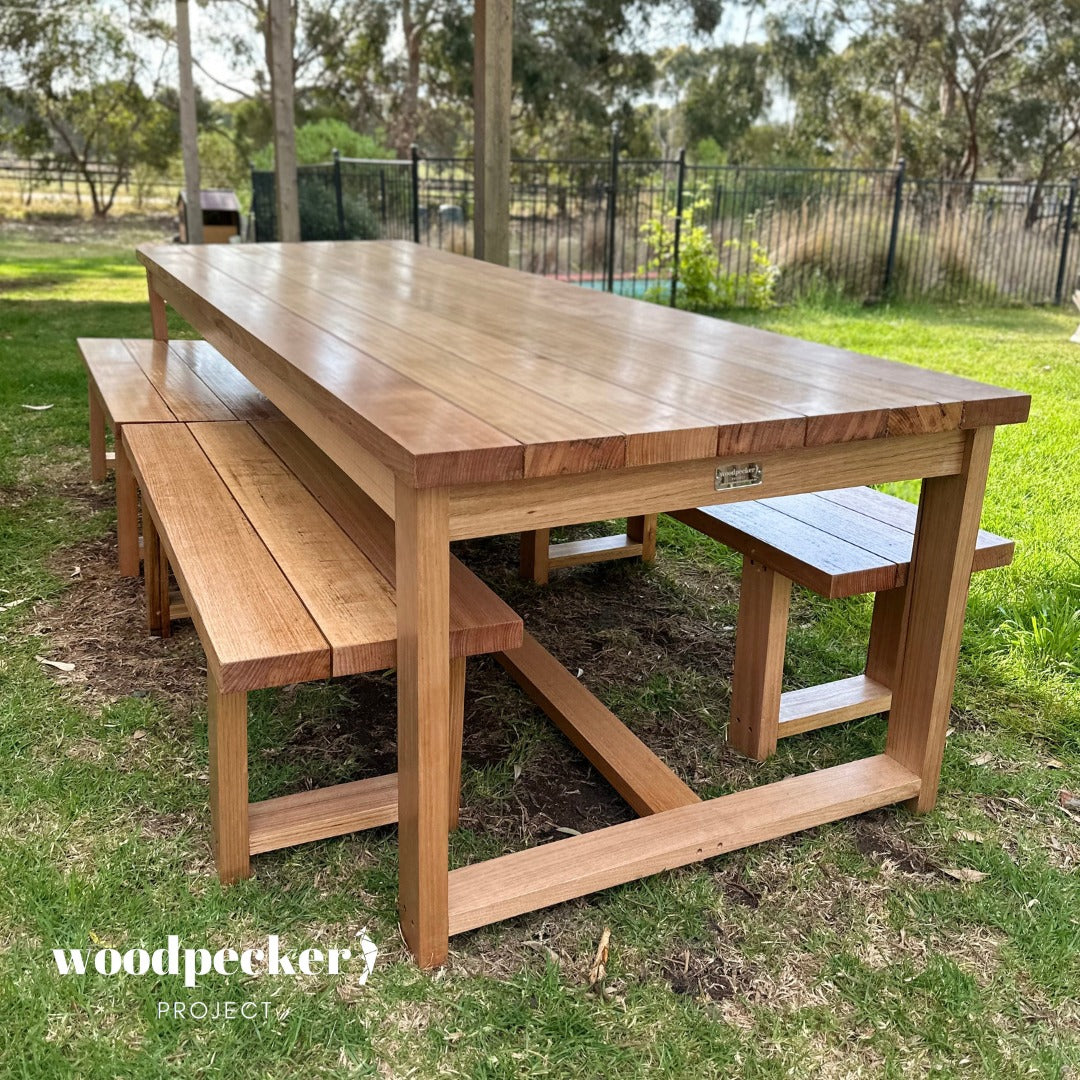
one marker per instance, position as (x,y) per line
(281,93)
(493,25)
(189,127)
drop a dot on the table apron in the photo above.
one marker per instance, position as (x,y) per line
(491,509)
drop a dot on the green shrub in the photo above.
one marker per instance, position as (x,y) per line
(319,216)
(704,284)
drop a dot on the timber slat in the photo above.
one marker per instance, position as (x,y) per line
(538,877)
(832,703)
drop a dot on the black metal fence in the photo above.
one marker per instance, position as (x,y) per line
(629,226)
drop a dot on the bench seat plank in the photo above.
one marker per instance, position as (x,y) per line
(480,622)
(837,543)
(350,601)
(241,396)
(126,393)
(186,394)
(254,628)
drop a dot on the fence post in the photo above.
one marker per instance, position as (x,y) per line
(415,193)
(613,189)
(339,194)
(894,231)
(679,188)
(1070,206)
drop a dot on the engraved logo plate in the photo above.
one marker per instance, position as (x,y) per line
(738,476)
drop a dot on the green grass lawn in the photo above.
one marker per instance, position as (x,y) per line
(852,950)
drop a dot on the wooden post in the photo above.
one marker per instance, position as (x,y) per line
(227,715)
(189,127)
(493,24)
(97,436)
(642,530)
(457,734)
(422,527)
(127,510)
(534,556)
(937,590)
(281,92)
(760,640)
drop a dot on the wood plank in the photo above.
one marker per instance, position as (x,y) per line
(480,622)
(949,510)
(886,635)
(97,434)
(632,769)
(406,427)
(760,642)
(654,431)
(745,422)
(127,395)
(457,734)
(558,438)
(838,406)
(642,530)
(159,320)
(351,602)
(227,720)
(593,550)
(237,393)
(983,404)
(127,508)
(254,629)
(808,556)
(831,703)
(539,877)
(491,509)
(322,813)
(187,396)
(423,593)
(533,557)
(990,550)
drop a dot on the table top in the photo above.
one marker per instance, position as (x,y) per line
(451,370)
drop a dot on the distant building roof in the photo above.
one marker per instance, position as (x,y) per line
(216,199)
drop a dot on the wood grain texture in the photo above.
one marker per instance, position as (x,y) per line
(593,550)
(886,634)
(457,734)
(949,510)
(159,321)
(254,635)
(490,509)
(542,876)
(760,642)
(227,716)
(533,558)
(631,768)
(324,812)
(642,530)
(831,703)
(97,435)
(344,593)
(127,395)
(480,622)
(423,594)
(237,393)
(127,509)
(186,395)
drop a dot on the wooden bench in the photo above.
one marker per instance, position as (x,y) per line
(135,381)
(287,570)
(835,543)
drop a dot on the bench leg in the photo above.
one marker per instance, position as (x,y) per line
(760,639)
(97,437)
(156,564)
(127,512)
(534,556)
(885,629)
(229,782)
(457,733)
(642,530)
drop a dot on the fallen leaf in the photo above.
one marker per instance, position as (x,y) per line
(567,830)
(60,665)
(1068,800)
(1053,763)
(964,873)
(37,408)
(137,735)
(13,603)
(599,964)
(982,759)
(974,837)
(77,572)
(517,772)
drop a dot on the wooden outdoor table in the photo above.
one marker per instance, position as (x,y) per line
(470,400)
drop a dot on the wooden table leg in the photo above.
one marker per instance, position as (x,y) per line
(127,511)
(937,590)
(159,323)
(534,556)
(227,718)
(457,734)
(423,609)
(97,437)
(642,530)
